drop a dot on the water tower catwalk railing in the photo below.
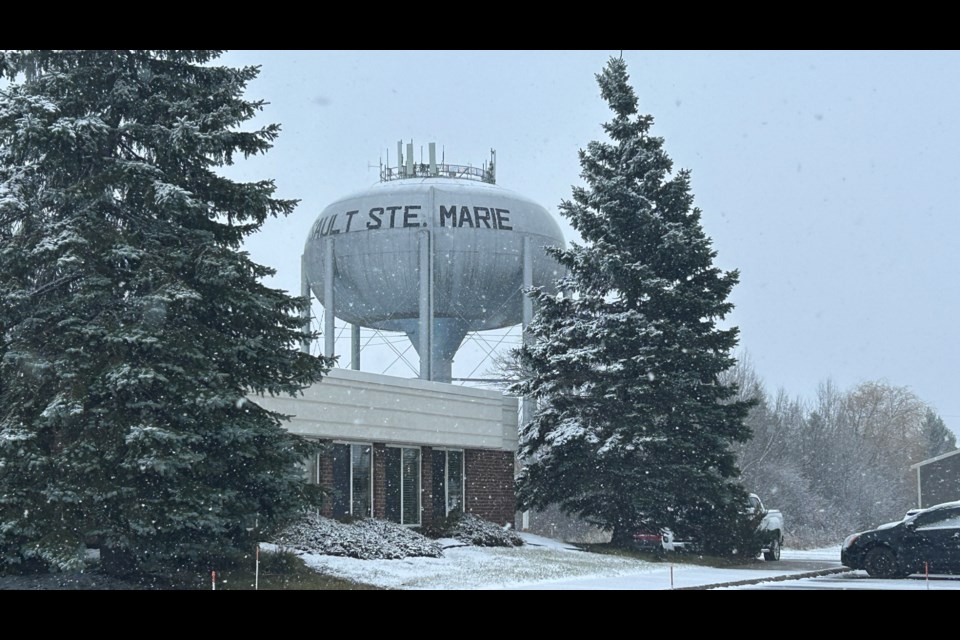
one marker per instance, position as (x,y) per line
(461,171)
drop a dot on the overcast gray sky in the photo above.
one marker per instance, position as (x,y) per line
(830,180)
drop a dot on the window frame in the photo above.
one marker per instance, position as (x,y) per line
(419,449)
(446,478)
(370,482)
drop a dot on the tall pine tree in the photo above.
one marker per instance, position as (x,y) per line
(133,327)
(632,428)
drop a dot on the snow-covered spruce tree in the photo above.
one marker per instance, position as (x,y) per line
(132,325)
(938,436)
(632,428)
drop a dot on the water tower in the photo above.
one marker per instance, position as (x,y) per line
(433,250)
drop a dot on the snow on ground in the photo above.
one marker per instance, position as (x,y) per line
(859,580)
(665,575)
(826,554)
(546,564)
(535,564)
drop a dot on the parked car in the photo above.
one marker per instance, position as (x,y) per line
(924,539)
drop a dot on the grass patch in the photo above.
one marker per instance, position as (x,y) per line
(282,571)
(278,571)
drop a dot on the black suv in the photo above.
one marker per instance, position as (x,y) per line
(928,536)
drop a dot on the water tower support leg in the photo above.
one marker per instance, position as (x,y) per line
(426,326)
(305,314)
(526,405)
(527,283)
(328,301)
(355,347)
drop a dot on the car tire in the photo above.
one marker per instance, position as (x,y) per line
(772,554)
(880,562)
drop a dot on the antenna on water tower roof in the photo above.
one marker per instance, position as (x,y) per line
(407,168)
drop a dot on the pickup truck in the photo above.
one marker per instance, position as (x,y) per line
(769,527)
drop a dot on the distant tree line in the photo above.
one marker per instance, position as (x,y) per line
(840,462)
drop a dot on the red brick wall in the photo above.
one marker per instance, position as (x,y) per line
(325,476)
(379,481)
(489,485)
(426,485)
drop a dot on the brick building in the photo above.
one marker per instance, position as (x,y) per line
(407,450)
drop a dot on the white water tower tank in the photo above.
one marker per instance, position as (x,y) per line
(433,250)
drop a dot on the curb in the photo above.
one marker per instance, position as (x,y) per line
(784,578)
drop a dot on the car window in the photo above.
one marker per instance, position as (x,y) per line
(940,521)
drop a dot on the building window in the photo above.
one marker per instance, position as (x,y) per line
(447,481)
(352,480)
(403,484)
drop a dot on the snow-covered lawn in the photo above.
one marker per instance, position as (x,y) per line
(542,564)
(540,561)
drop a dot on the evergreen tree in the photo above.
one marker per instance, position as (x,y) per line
(133,327)
(939,438)
(632,428)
